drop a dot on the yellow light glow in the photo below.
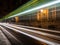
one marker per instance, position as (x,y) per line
(41,10)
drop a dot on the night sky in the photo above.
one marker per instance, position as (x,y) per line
(7,6)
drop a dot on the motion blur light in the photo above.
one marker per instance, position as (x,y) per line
(36,8)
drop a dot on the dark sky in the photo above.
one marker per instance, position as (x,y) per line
(6,6)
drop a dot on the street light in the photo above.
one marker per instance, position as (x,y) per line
(41,10)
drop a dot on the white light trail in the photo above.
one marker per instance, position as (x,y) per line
(38,29)
(34,37)
(34,31)
(36,8)
(9,34)
(3,39)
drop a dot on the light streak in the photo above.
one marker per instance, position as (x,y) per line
(36,8)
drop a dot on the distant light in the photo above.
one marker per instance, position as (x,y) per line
(41,10)
(36,8)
